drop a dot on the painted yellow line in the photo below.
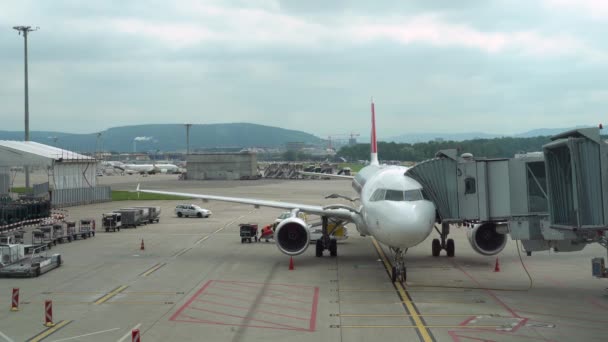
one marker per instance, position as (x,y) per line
(46,333)
(111,294)
(153,269)
(422,329)
(409,289)
(417,327)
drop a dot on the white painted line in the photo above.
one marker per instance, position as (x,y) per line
(79,336)
(128,334)
(8,339)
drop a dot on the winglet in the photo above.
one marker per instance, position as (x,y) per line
(374,144)
(137,190)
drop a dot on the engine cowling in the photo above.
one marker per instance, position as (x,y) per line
(292,236)
(485,239)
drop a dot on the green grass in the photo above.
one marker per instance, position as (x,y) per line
(354,167)
(21,190)
(133,196)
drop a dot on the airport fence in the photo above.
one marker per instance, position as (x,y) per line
(80,196)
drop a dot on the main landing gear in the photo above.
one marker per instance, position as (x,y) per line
(326,242)
(398,272)
(444,243)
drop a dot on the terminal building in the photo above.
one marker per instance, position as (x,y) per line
(70,177)
(222,166)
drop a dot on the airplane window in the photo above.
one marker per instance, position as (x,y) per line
(394,195)
(378,195)
(413,195)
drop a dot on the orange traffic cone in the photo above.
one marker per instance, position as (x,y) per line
(142,245)
(291,264)
(497,266)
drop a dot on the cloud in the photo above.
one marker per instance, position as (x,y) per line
(245,28)
(142,138)
(597,9)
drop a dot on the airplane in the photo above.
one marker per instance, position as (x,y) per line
(392,209)
(147,168)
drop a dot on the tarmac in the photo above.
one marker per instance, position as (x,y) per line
(196,281)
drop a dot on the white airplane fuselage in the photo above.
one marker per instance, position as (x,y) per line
(397,222)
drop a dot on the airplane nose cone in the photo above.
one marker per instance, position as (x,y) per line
(406,224)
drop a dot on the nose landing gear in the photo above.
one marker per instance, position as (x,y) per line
(399,271)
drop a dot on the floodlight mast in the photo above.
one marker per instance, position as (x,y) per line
(25,30)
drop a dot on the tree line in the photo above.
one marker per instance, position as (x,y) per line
(505,147)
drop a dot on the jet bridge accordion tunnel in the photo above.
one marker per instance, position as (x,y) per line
(557,198)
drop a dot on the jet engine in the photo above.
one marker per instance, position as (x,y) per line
(485,239)
(292,236)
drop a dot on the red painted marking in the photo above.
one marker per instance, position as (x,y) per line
(454,333)
(243,317)
(264,303)
(265,284)
(595,302)
(313,314)
(197,320)
(562,316)
(467,321)
(500,302)
(202,295)
(473,338)
(299,293)
(183,307)
(247,308)
(269,296)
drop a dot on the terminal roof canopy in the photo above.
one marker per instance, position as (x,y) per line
(29,153)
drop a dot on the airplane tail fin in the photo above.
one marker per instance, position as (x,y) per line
(374,144)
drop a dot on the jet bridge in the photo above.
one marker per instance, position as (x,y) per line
(557,198)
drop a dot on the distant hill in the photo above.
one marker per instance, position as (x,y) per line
(170,137)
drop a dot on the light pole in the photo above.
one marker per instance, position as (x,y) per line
(25,30)
(188,139)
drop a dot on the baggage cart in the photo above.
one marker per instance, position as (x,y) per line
(86,228)
(129,217)
(111,221)
(70,230)
(153,213)
(142,217)
(59,234)
(248,231)
(43,236)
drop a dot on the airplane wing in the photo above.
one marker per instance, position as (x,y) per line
(329,175)
(339,210)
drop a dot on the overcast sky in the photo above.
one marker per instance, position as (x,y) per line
(501,66)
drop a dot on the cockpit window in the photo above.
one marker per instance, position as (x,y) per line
(396,195)
(378,195)
(413,195)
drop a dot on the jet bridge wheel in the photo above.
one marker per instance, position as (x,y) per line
(436,247)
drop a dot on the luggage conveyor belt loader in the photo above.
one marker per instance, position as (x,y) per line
(555,199)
